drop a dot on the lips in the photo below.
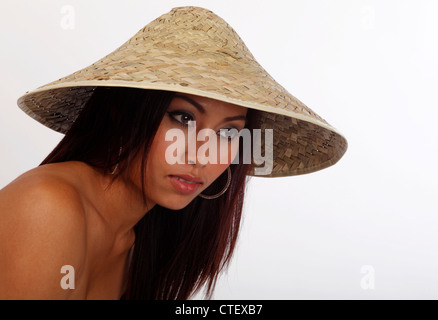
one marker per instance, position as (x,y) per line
(185,184)
(187,178)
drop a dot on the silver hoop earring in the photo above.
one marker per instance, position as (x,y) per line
(223,190)
(117,164)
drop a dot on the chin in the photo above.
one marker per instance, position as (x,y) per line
(175,204)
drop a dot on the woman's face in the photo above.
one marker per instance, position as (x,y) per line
(179,169)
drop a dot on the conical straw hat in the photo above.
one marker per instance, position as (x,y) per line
(192,50)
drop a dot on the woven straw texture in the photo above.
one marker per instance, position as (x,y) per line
(192,50)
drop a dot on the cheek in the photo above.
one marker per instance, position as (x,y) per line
(156,163)
(228,151)
(213,171)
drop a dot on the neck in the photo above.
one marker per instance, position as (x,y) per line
(121,203)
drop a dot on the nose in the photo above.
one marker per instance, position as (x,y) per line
(193,153)
(194,157)
(191,157)
(191,148)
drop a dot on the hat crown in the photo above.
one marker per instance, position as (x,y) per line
(186,31)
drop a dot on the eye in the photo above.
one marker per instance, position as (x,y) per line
(181,117)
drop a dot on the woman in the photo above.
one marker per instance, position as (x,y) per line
(107,210)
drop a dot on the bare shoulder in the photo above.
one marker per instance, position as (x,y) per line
(42,228)
(39,194)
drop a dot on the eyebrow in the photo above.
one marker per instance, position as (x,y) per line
(202,110)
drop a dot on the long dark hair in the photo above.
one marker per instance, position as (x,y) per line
(176,252)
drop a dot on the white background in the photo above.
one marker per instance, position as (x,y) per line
(368,67)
